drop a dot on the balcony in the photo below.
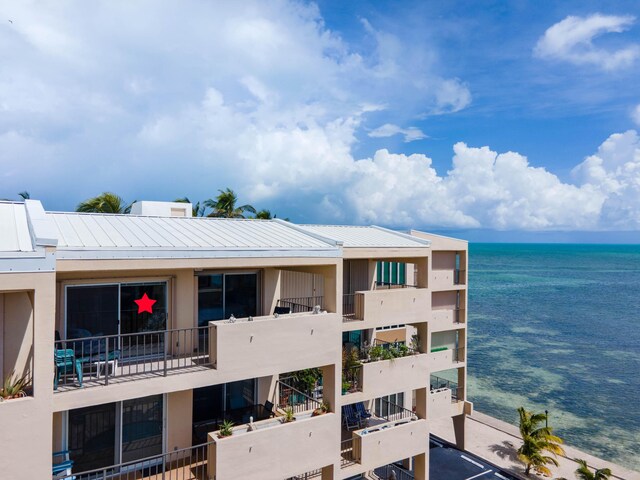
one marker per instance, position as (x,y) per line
(263,450)
(101,360)
(445,398)
(444,358)
(386,307)
(186,464)
(394,434)
(277,343)
(447,278)
(300,304)
(446,319)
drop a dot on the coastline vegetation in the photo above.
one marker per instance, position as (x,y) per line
(537,441)
(584,473)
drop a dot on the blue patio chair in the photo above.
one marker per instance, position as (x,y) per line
(62,469)
(66,362)
(350,417)
(362,412)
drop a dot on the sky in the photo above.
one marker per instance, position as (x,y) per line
(512,119)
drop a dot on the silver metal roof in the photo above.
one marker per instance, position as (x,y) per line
(146,236)
(366,236)
(14,231)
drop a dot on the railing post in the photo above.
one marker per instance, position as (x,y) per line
(166,345)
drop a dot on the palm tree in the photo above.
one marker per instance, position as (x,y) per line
(224,205)
(24,195)
(264,215)
(197,210)
(536,440)
(583,472)
(106,202)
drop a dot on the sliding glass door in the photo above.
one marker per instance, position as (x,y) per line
(221,295)
(125,309)
(104,435)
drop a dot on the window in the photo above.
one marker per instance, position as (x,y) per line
(221,295)
(388,405)
(393,273)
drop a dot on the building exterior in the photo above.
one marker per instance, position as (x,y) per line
(142,335)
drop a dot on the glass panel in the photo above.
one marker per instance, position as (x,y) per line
(142,427)
(208,411)
(240,295)
(92,311)
(132,322)
(403,273)
(387,270)
(379,272)
(92,437)
(210,306)
(394,272)
(240,394)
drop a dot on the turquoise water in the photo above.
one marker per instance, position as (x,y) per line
(557,327)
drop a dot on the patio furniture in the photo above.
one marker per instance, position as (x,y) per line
(282,310)
(350,417)
(62,469)
(66,362)
(268,406)
(362,412)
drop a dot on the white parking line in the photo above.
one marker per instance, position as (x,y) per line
(480,474)
(472,461)
(501,476)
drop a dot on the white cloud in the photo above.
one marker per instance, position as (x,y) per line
(571,40)
(388,130)
(635,115)
(614,172)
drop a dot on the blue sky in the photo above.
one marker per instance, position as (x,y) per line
(460,116)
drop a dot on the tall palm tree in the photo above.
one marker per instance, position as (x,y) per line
(264,215)
(197,210)
(224,205)
(583,472)
(106,202)
(24,195)
(536,441)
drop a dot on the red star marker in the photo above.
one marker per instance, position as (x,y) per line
(145,304)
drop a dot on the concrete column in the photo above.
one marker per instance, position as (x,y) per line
(267,389)
(422,402)
(270,290)
(373,273)
(422,272)
(459,430)
(331,386)
(179,419)
(332,275)
(424,336)
(421,465)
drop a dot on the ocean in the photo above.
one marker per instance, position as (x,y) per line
(557,327)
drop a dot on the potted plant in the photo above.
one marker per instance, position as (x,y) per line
(322,409)
(226,429)
(288,415)
(14,387)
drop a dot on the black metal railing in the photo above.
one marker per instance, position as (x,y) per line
(97,360)
(349,306)
(185,464)
(301,304)
(308,475)
(346,453)
(290,397)
(439,383)
(390,285)
(392,412)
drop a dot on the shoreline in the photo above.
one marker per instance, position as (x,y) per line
(496,441)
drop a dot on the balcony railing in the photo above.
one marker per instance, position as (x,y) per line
(346,453)
(308,475)
(186,464)
(301,304)
(349,306)
(98,360)
(439,383)
(400,473)
(290,397)
(388,285)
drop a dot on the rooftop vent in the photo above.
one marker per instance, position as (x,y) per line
(162,209)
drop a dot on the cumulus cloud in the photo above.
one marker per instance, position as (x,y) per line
(189,98)
(571,40)
(389,130)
